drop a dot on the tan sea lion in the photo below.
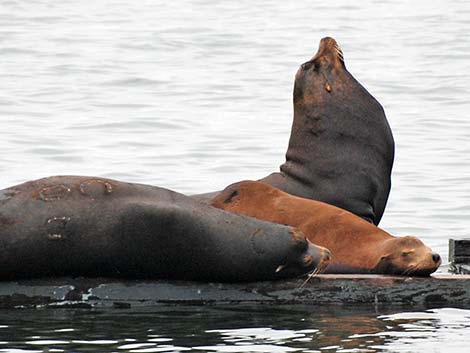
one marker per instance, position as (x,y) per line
(356,245)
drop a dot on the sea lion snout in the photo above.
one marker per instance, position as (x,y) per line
(319,256)
(312,258)
(329,54)
(436,258)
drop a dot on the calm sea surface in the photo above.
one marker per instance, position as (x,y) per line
(195,95)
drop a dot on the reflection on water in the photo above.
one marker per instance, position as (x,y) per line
(229,329)
(432,331)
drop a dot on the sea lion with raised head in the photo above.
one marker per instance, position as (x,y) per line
(86,226)
(356,245)
(341,148)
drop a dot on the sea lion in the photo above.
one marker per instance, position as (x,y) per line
(341,147)
(356,245)
(87,226)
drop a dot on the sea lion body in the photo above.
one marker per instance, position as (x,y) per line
(341,147)
(85,226)
(356,245)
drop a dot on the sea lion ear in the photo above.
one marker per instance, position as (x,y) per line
(224,197)
(385,257)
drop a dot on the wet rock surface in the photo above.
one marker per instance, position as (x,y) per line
(322,289)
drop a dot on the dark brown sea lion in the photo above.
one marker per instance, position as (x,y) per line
(356,245)
(341,147)
(85,226)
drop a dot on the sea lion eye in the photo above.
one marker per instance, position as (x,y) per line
(307,65)
(404,254)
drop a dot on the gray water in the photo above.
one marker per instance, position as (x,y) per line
(236,329)
(195,95)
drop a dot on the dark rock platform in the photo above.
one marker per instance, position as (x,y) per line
(438,290)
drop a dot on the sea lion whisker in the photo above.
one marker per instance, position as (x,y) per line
(420,266)
(312,274)
(339,52)
(407,271)
(410,270)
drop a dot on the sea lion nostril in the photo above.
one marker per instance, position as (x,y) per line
(435,257)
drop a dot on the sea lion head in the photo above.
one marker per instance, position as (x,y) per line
(321,75)
(407,256)
(313,258)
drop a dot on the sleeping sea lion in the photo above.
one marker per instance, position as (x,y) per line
(88,226)
(356,245)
